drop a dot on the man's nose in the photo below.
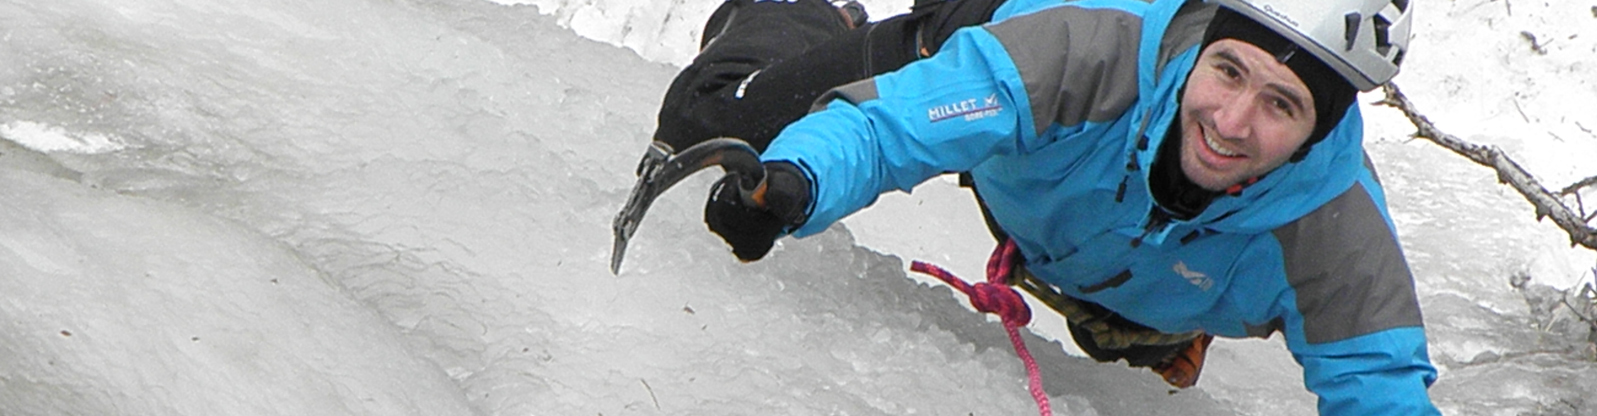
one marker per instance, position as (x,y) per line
(1233,119)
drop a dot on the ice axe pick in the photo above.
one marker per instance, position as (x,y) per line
(662,167)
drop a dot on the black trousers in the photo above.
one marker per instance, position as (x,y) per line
(764,63)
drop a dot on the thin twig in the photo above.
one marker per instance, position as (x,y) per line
(1535,44)
(1547,205)
(1573,309)
(651,393)
(1580,204)
(1592,181)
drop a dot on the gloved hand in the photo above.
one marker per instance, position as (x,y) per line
(751,230)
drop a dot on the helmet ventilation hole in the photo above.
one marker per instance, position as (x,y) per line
(1351,26)
(1383,44)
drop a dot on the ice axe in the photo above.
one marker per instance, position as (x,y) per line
(662,167)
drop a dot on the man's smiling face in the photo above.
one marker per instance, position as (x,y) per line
(1243,115)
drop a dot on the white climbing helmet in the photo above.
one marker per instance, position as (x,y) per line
(1364,40)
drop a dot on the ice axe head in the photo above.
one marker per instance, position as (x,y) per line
(662,168)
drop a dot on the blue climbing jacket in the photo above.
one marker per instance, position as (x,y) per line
(1057,110)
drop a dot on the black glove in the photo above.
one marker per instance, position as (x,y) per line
(752,229)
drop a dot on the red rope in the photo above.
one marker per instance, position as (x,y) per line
(996,297)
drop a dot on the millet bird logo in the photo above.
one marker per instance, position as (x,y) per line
(1202,281)
(971,109)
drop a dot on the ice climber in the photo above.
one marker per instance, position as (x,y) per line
(1169,171)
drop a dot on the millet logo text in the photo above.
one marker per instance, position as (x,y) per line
(971,109)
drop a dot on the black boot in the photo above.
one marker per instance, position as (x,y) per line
(851,15)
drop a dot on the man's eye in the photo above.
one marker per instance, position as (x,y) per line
(1229,71)
(1282,106)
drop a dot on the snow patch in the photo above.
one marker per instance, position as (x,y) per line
(46,138)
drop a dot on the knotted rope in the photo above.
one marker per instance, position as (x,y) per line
(997,297)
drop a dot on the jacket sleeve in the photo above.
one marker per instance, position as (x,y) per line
(1001,89)
(1353,319)
(946,113)
(1383,373)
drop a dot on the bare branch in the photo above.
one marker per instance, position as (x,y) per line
(1592,181)
(1580,203)
(1547,204)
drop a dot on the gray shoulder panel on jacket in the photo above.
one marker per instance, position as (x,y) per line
(1348,270)
(1186,30)
(855,92)
(1078,65)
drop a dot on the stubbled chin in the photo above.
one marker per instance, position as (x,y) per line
(1198,162)
(1200,174)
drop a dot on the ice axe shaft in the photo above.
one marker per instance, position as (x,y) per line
(662,167)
